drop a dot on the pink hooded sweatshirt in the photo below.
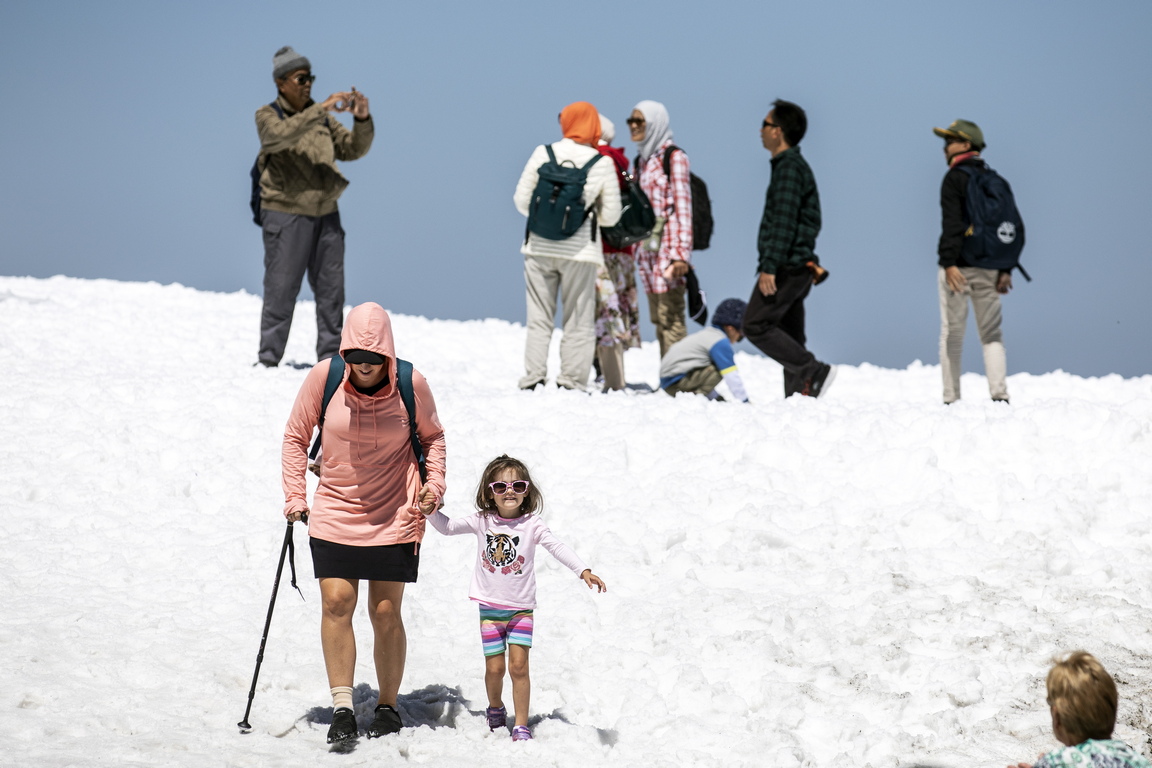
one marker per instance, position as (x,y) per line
(369,478)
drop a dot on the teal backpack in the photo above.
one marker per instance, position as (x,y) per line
(556,210)
(403,381)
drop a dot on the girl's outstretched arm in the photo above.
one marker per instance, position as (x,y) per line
(592,579)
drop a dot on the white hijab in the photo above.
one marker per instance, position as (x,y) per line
(607,130)
(656,117)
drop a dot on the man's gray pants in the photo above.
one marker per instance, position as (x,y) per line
(295,245)
(981,290)
(575,282)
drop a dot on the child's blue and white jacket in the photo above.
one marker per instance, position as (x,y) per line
(709,346)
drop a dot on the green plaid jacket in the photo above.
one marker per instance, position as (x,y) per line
(791,218)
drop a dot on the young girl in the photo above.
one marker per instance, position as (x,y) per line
(1082,699)
(507,530)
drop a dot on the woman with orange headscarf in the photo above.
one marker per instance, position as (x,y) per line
(565,269)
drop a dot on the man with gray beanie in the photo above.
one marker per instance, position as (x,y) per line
(300,143)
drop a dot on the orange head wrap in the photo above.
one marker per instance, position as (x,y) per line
(581,122)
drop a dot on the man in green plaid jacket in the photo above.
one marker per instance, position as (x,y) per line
(789,267)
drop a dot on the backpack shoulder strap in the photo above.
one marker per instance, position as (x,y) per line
(404,384)
(335,377)
(551,154)
(668,159)
(256,167)
(592,162)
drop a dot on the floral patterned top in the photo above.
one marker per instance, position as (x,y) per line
(1094,753)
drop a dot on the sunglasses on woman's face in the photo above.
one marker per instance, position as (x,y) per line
(634,121)
(518,487)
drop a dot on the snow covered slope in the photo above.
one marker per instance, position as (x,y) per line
(871,579)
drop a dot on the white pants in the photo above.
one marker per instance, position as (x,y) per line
(545,278)
(981,290)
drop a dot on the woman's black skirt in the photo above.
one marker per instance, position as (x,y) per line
(390,562)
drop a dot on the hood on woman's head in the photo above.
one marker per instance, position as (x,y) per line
(580,122)
(607,130)
(368,327)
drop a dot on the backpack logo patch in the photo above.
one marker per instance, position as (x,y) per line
(1006,232)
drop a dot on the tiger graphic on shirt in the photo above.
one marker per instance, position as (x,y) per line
(500,553)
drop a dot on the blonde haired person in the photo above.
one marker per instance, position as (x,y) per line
(1082,699)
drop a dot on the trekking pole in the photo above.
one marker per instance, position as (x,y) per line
(288,549)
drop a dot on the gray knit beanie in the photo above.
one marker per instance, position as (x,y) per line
(287,60)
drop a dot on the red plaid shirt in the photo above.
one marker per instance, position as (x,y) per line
(671,198)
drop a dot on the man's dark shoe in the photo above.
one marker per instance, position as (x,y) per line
(387,721)
(343,726)
(820,381)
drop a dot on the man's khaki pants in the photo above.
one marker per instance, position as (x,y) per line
(981,290)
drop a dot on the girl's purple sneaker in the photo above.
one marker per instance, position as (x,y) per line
(497,718)
(521,733)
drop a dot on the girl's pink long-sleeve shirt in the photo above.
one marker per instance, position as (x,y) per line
(505,573)
(369,477)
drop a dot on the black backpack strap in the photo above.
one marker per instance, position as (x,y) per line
(404,384)
(668,159)
(668,170)
(592,209)
(335,377)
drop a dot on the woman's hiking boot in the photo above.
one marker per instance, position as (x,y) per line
(387,721)
(343,726)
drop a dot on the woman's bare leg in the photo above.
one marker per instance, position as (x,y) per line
(391,646)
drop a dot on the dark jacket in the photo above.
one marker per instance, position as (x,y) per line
(954,213)
(791,218)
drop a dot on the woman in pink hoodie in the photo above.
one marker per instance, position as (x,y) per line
(365,521)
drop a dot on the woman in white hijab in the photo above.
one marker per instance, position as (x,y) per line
(664,258)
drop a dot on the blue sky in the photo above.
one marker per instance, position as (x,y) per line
(128,136)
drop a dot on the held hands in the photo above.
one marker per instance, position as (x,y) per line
(427,501)
(592,580)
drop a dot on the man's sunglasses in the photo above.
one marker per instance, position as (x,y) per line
(304,79)
(518,487)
